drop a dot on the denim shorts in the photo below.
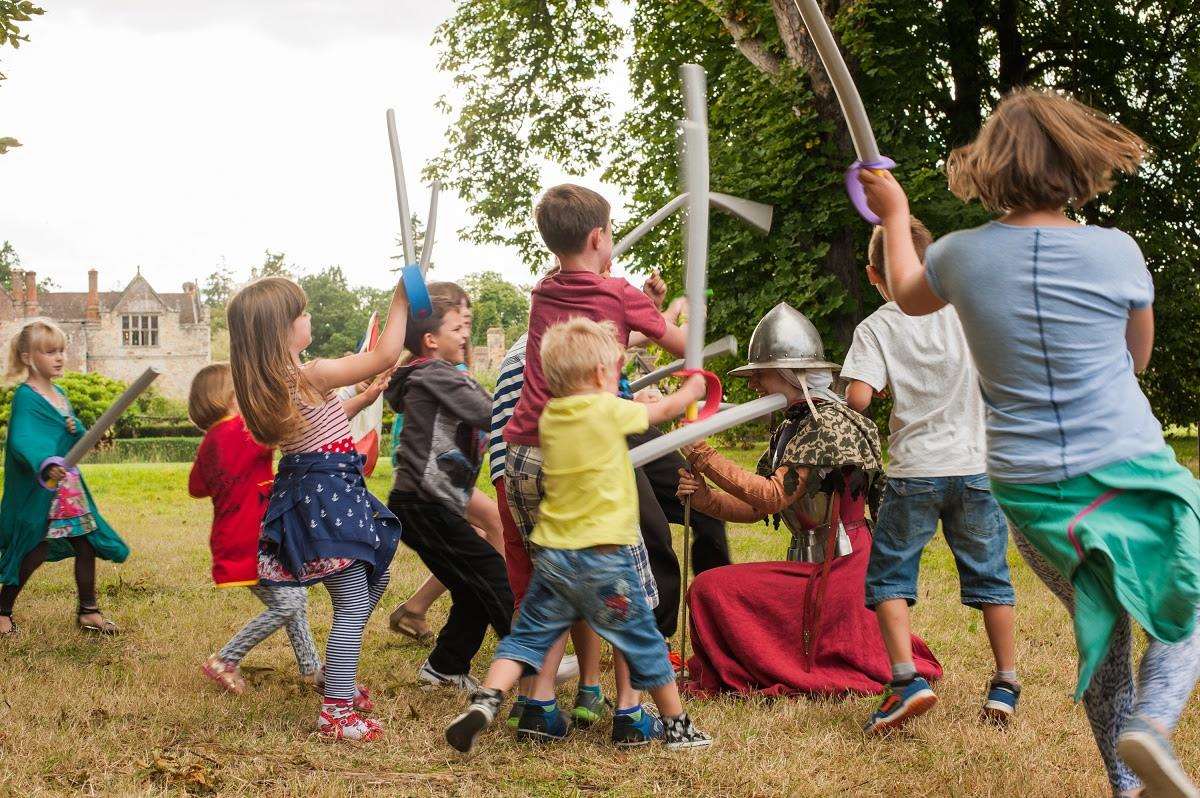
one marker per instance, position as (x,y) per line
(600,587)
(974,526)
(524,488)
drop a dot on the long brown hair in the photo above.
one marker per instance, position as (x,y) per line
(1040,150)
(265,377)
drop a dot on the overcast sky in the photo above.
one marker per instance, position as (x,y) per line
(179,136)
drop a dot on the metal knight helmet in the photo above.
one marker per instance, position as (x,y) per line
(785,339)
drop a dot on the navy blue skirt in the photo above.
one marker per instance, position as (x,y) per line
(320,509)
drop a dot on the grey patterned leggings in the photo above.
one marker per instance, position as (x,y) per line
(286,607)
(1166,676)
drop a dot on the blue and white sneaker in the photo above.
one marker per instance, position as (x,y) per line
(901,704)
(542,724)
(1148,753)
(631,730)
(1001,702)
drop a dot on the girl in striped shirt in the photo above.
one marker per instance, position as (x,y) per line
(321,524)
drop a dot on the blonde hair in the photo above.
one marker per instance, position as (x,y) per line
(1041,150)
(211,396)
(877,249)
(571,350)
(37,334)
(567,214)
(265,378)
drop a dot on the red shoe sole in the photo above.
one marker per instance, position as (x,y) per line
(916,708)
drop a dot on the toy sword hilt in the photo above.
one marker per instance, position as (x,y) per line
(419,304)
(48,463)
(712,396)
(858,195)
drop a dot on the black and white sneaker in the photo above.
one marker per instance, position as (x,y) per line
(682,733)
(464,730)
(429,679)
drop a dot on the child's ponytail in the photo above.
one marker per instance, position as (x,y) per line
(36,334)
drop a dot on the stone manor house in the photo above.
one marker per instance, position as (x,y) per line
(119,333)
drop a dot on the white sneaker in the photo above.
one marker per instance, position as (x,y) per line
(429,679)
(568,669)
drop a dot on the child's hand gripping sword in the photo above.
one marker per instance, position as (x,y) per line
(413,274)
(90,438)
(852,107)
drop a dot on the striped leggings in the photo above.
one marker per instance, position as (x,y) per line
(1166,676)
(286,607)
(353,601)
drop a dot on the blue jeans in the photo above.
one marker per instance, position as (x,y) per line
(598,586)
(974,527)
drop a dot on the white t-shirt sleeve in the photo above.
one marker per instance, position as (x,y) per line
(865,359)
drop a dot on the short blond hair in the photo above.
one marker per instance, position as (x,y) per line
(1040,150)
(39,334)
(572,350)
(211,396)
(877,249)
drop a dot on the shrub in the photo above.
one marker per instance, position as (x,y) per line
(146,450)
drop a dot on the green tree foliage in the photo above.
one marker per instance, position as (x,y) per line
(91,394)
(531,76)
(495,302)
(12,14)
(339,315)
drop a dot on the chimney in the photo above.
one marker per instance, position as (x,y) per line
(18,286)
(31,299)
(92,310)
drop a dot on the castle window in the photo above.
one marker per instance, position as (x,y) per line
(139,330)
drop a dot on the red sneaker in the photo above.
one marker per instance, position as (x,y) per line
(338,721)
(676,661)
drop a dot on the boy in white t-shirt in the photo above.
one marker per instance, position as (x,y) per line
(937,459)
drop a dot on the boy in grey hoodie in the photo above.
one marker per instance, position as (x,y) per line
(439,458)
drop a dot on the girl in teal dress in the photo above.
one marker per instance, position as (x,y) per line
(39,524)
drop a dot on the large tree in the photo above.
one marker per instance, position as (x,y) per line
(532,76)
(12,13)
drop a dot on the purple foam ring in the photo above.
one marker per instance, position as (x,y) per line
(419,304)
(858,197)
(48,463)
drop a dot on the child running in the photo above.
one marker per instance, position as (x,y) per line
(586,530)
(41,524)
(440,455)
(234,471)
(936,464)
(576,227)
(1059,320)
(321,524)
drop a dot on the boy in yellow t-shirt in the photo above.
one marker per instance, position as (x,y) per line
(587,526)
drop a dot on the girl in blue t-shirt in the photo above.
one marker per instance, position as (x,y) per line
(1058,318)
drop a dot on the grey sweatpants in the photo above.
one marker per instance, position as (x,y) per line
(286,607)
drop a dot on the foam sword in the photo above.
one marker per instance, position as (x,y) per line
(852,106)
(97,430)
(413,273)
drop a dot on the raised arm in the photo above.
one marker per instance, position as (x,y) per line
(767,495)
(718,504)
(327,375)
(905,273)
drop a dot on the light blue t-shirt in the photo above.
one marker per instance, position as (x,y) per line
(1044,310)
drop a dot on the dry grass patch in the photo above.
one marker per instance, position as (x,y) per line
(133,716)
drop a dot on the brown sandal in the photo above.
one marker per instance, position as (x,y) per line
(13,628)
(409,624)
(224,673)
(106,627)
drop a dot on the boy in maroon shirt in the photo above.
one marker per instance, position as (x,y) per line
(574,222)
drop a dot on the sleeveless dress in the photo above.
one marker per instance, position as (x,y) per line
(321,518)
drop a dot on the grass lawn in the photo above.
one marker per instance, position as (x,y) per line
(133,715)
